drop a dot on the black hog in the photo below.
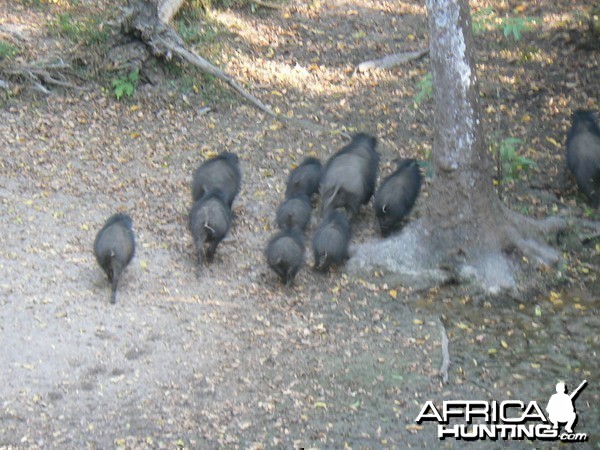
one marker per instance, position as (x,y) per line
(583,154)
(294,212)
(285,254)
(209,223)
(331,240)
(221,172)
(396,196)
(349,176)
(114,247)
(305,178)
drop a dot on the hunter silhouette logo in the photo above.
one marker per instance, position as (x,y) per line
(507,419)
(560,407)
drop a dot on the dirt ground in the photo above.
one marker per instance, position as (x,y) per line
(229,358)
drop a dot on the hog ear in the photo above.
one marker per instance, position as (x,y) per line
(384,209)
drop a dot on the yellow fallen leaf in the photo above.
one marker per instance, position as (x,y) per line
(394,293)
(520,8)
(134,108)
(492,351)
(503,343)
(555,298)
(417,321)
(553,142)
(322,405)
(526,118)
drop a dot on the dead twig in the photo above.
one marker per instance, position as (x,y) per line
(268,5)
(445,353)
(389,61)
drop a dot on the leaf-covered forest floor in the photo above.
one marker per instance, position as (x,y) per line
(229,358)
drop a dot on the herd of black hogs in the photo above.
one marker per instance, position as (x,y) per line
(346,182)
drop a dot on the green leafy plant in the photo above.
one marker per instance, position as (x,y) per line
(89,30)
(125,85)
(425,89)
(515,25)
(513,164)
(482,20)
(487,19)
(7,50)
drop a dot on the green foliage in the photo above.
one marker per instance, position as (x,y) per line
(515,25)
(125,85)
(89,30)
(7,50)
(482,20)
(512,163)
(426,166)
(487,19)
(425,89)
(192,34)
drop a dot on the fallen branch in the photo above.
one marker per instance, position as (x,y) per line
(389,61)
(445,353)
(267,5)
(207,67)
(140,20)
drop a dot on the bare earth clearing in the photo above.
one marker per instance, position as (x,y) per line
(229,358)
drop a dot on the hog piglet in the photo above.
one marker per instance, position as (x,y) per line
(397,195)
(583,154)
(114,247)
(305,178)
(222,173)
(349,176)
(331,240)
(294,212)
(209,222)
(285,254)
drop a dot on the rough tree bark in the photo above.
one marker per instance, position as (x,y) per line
(466,234)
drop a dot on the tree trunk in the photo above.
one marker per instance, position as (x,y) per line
(465,235)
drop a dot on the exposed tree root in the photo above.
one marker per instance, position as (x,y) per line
(417,260)
(524,235)
(594,228)
(41,75)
